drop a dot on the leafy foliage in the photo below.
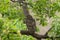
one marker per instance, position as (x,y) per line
(55,32)
(44,9)
(12,21)
(12,18)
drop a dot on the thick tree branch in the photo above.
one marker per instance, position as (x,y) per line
(37,35)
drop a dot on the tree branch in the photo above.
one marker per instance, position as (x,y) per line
(36,35)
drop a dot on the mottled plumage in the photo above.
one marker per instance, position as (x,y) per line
(30,23)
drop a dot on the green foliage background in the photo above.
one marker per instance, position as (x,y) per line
(12,21)
(12,18)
